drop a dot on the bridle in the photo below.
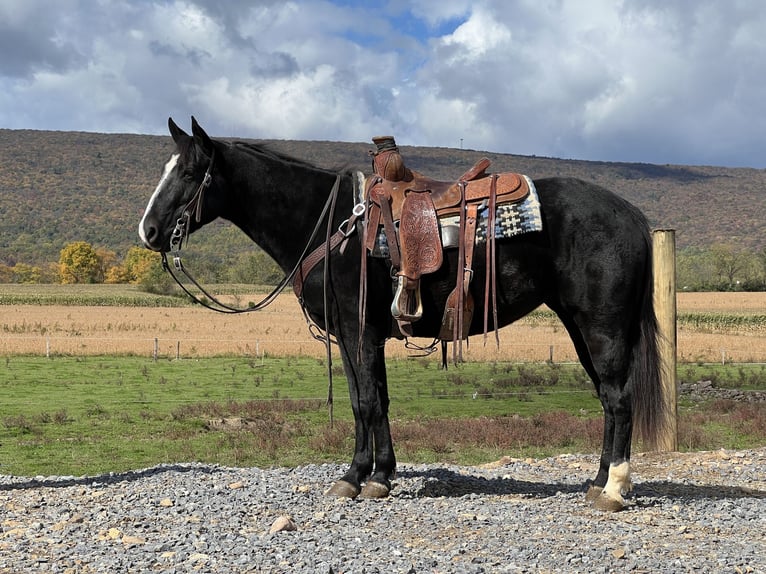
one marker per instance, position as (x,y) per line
(181,233)
(305,263)
(181,230)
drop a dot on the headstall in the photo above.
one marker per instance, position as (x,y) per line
(181,233)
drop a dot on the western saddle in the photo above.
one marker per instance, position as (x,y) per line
(409,206)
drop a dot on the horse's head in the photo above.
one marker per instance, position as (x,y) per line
(180,204)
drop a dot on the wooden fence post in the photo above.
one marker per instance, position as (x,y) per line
(664,248)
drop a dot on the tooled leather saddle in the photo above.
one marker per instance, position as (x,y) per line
(409,206)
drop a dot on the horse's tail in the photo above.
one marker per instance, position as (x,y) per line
(650,410)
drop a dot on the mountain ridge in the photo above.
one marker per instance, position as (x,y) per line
(57,187)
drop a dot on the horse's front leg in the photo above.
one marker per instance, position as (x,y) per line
(374,463)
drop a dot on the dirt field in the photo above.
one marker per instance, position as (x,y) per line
(281,330)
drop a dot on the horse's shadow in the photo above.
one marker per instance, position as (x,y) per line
(105,479)
(438,483)
(671,490)
(443,483)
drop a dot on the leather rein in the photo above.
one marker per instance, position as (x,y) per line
(194,208)
(306,262)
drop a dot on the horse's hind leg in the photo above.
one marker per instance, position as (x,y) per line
(605,355)
(613,478)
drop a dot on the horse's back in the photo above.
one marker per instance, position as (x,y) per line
(569,203)
(598,245)
(594,249)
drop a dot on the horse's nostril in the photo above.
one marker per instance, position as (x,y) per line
(148,233)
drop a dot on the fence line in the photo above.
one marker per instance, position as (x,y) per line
(178,348)
(185,348)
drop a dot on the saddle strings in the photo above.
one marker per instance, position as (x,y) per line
(490,284)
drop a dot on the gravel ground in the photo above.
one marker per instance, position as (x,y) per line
(698,512)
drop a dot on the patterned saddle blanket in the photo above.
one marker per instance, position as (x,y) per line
(511,219)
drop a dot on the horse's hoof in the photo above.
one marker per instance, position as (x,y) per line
(593,493)
(375,490)
(343,489)
(608,504)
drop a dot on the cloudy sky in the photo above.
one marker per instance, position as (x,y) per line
(658,81)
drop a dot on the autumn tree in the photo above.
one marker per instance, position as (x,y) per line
(144,268)
(107,259)
(25,273)
(731,264)
(139,263)
(78,263)
(133,267)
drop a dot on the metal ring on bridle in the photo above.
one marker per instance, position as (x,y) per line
(181,232)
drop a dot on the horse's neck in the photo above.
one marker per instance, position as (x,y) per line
(279,203)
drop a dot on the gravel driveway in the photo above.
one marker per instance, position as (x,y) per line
(697,512)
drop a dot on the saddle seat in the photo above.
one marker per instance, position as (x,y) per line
(446,196)
(409,206)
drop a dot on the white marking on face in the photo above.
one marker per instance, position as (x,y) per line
(618,482)
(172,162)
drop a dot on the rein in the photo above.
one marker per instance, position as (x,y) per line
(181,234)
(306,262)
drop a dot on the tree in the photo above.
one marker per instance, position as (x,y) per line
(694,269)
(107,259)
(255,268)
(116,274)
(731,265)
(78,263)
(139,262)
(6,273)
(25,273)
(144,268)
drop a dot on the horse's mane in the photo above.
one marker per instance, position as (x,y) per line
(268,151)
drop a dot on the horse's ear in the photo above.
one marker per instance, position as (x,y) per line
(201,138)
(175,132)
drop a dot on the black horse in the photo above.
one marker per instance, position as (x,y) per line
(592,265)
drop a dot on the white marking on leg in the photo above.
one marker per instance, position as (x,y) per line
(169,166)
(618,482)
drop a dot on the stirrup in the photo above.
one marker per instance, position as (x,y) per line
(407,304)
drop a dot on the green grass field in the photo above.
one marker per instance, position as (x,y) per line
(89,415)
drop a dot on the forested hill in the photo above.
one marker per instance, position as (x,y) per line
(59,187)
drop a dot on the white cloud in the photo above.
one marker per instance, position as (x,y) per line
(477,36)
(650,80)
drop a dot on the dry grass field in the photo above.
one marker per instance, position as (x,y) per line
(281,330)
(712,341)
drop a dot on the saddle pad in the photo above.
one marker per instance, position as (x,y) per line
(510,219)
